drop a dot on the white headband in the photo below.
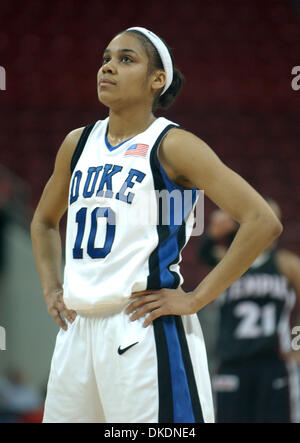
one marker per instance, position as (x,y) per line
(163,52)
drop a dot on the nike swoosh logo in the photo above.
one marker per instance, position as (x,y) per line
(121,351)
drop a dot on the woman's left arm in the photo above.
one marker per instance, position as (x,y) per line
(190,162)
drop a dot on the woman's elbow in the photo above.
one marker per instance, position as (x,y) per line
(278,228)
(274,225)
(40,221)
(36,221)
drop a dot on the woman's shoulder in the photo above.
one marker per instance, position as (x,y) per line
(180,144)
(74,141)
(68,146)
(179,134)
(73,136)
(176,153)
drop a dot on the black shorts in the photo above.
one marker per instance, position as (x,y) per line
(255,391)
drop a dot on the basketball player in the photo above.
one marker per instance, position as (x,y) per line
(256,379)
(130,348)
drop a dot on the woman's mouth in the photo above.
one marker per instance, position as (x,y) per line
(105,82)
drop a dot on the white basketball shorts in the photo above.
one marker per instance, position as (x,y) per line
(107,369)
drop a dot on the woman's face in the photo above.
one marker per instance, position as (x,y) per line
(123,77)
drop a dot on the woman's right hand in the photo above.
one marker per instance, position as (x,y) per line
(57,308)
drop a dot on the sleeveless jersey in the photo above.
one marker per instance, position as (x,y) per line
(124,233)
(255,313)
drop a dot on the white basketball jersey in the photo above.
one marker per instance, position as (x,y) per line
(122,236)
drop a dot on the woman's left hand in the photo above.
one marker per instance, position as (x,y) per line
(160,302)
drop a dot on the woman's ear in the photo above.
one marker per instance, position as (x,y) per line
(159,80)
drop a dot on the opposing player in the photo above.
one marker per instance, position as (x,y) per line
(256,379)
(130,348)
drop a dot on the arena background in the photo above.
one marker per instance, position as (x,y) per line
(237,58)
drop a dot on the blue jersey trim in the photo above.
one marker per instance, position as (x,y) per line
(169,249)
(189,370)
(80,145)
(182,405)
(165,392)
(181,402)
(112,148)
(171,237)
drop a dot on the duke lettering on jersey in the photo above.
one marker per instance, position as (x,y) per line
(94,180)
(109,193)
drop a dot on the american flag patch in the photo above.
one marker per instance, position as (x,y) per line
(138,149)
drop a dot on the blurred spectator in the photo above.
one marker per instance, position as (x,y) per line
(256,379)
(3,220)
(19,402)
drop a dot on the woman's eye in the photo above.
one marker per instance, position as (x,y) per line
(126,59)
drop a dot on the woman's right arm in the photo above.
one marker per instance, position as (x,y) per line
(221,226)
(45,235)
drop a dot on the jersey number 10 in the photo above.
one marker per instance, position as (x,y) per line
(92,251)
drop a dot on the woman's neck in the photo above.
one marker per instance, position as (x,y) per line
(124,125)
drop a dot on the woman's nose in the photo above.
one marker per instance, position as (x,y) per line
(109,67)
